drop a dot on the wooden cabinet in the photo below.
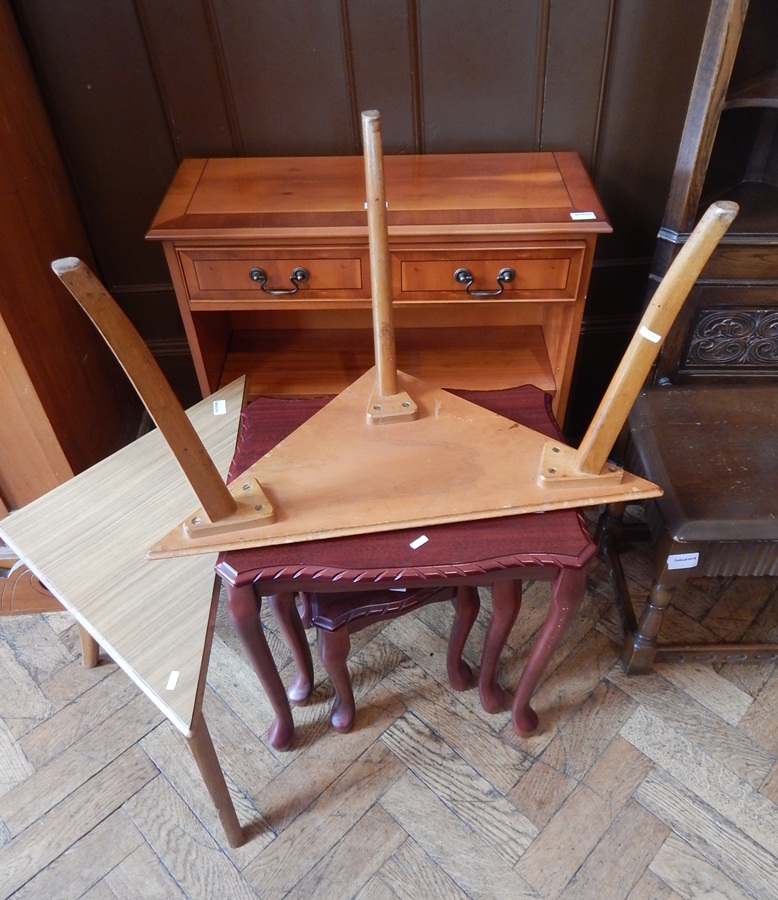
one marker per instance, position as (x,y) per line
(728,329)
(490,256)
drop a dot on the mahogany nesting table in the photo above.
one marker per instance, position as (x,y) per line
(497,553)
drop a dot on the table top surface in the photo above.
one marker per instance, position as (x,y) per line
(259,196)
(478,550)
(87,541)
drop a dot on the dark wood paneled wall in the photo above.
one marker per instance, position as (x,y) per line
(134,86)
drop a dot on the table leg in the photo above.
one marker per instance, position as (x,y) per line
(506,602)
(202,748)
(90,649)
(642,645)
(291,625)
(334,647)
(567,593)
(244,606)
(467,605)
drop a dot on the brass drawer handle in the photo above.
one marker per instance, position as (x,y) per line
(298,275)
(465,277)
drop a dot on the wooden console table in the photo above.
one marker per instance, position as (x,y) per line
(269,260)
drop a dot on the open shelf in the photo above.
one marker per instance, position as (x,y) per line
(326,361)
(758,202)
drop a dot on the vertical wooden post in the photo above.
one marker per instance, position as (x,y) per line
(388,402)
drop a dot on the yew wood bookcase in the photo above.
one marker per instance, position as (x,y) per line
(490,257)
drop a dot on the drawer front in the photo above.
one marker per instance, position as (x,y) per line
(263,277)
(538,272)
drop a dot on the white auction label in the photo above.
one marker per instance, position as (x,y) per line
(682,560)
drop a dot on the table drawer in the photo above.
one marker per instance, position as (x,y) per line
(539,271)
(259,275)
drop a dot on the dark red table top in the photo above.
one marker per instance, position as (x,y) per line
(477,551)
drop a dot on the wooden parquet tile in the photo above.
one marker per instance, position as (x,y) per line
(649,788)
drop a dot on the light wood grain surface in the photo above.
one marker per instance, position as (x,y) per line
(532,191)
(338,475)
(87,540)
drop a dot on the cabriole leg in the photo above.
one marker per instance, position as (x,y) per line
(244,607)
(291,625)
(566,596)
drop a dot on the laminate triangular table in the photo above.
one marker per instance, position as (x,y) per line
(88,541)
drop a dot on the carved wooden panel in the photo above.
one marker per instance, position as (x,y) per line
(725,332)
(739,338)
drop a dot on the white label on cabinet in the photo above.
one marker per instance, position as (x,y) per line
(219,407)
(172,680)
(420,541)
(580,216)
(649,335)
(682,560)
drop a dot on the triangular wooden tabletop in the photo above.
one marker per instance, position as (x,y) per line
(337,474)
(87,541)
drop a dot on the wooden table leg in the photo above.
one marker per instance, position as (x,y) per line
(244,606)
(466,605)
(90,649)
(566,596)
(506,602)
(202,748)
(334,647)
(291,625)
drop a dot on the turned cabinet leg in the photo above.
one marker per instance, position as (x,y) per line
(466,606)
(609,539)
(641,646)
(243,607)
(566,596)
(506,602)
(334,648)
(291,625)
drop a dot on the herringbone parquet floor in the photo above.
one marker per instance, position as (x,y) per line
(661,786)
